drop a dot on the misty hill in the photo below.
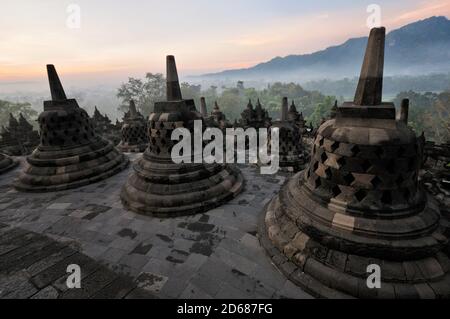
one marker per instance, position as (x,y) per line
(422,47)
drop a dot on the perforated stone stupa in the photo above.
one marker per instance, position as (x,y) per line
(219,118)
(296,118)
(256,117)
(359,204)
(134,132)
(19,138)
(291,151)
(7,163)
(70,153)
(161,187)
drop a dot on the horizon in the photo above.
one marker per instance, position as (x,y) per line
(90,55)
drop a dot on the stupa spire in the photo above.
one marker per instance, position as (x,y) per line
(133,112)
(173,84)
(203,109)
(56,88)
(370,86)
(284,109)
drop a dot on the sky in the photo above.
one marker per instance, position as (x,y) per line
(117,39)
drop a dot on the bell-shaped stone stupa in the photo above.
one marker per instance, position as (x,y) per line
(7,163)
(359,206)
(134,132)
(291,150)
(70,154)
(161,187)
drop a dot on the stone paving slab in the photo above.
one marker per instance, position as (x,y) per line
(212,255)
(36,269)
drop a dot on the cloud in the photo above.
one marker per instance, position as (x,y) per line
(425,10)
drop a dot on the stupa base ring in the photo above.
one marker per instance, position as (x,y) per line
(9,163)
(190,207)
(132,148)
(20,186)
(332,274)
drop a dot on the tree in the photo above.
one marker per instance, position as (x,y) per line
(189,91)
(231,103)
(15,109)
(144,92)
(429,113)
(322,111)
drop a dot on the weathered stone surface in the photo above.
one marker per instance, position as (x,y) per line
(369,90)
(221,244)
(70,153)
(37,269)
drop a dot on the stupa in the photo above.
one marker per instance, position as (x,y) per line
(134,132)
(70,153)
(203,108)
(256,117)
(219,118)
(105,128)
(291,151)
(207,119)
(19,138)
(297,118)
(359,205)
(334,110)
(7,163)
(160,187)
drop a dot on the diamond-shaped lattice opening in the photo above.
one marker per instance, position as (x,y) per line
(400,180)
(386,198)
(379,151)
(334,146)
(391,167)
(366,165)
(407,194)
(412,164)
(355,150)
(324,157)
(341,161)
(360,195)
(317,182)
(322,140)
(376,181)
(328,173)
(336,191)
(349,179)
(315,166)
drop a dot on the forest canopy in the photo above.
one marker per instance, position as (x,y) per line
(429,112)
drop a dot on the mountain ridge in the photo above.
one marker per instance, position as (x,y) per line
(421,47)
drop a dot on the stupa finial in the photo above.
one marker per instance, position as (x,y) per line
(173,84)
(56,88)
(370,86)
